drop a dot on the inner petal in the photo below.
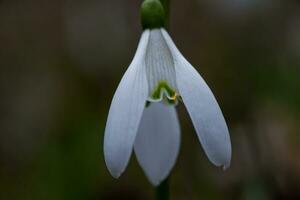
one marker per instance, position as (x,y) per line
(160,69)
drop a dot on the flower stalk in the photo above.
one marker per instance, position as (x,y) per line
(162,191)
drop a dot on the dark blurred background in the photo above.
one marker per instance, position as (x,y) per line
(61,61)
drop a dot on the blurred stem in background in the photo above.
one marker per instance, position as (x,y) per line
(162,191)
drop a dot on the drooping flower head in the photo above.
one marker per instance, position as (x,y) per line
(142,115)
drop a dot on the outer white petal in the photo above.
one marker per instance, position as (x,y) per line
(203,108)
(126,111)
(157,142)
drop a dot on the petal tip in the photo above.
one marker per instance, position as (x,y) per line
(155,180)
(116,173)
(222,163)
(155,183)
(114,168)
(225,166)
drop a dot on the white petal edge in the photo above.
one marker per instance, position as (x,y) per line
(203,109)
(158,141)
(126,111)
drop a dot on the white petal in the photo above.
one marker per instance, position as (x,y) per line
(203,108)
(126,111)
(159,64)
(157,142)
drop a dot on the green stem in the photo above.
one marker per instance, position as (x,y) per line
(162,191)
(166,5)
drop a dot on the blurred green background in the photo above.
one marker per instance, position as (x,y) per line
(61,61)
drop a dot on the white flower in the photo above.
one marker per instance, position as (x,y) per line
(142,115)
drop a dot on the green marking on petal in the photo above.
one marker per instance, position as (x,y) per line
(166,93)
(163,85)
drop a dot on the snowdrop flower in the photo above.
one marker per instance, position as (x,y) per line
(143,117)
